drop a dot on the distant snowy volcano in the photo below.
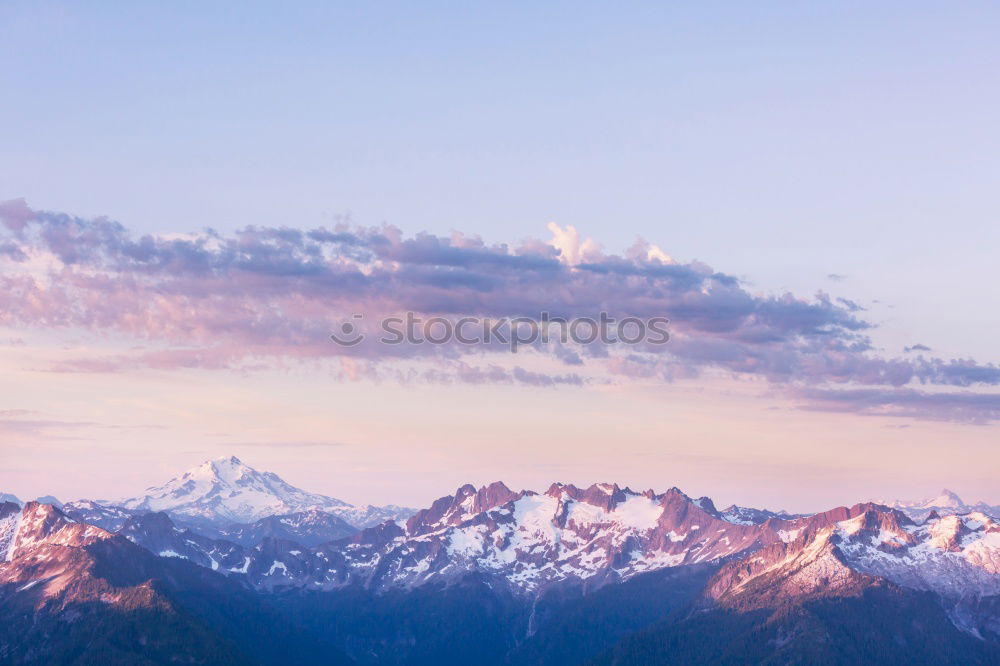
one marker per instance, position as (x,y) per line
(946,503)
(227,490)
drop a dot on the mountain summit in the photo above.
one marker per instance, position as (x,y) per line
(946,498)
(946,503)
(226,490)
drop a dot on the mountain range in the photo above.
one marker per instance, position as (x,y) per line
(196,569)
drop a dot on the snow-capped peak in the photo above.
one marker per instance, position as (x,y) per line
(49,499)
(227,469)
(946,502)
(945,499)
(228,489)
(8,497)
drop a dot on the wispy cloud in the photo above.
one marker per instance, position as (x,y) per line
(27,422)
(289,445)
(14,424)
(965,406)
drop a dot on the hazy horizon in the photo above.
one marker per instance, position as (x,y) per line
(539,489)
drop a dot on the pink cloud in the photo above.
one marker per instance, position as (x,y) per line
(262,296)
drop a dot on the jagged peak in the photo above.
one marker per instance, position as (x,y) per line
(706,504)
(40,524)
(556,489)
(675,491)
(42,508)
(496,485)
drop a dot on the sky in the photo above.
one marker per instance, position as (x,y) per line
(814,187)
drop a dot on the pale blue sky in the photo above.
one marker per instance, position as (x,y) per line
(780,141)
